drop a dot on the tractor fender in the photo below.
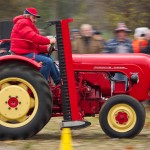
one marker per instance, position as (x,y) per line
(18,58)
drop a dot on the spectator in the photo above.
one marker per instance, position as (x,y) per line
(120,43)
(140,41)
(86,43)
(98,35)
(42,32)
(75,33)
(146,50)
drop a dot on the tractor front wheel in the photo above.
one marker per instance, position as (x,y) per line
(25,101)
(122,116)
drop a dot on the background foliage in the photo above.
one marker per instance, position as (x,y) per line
(102,14)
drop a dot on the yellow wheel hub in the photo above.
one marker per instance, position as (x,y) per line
(18,102)
(14,102)
(121,118)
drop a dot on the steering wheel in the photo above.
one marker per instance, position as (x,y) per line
(51,49)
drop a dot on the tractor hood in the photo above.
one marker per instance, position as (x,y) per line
(106,61)
(99,59)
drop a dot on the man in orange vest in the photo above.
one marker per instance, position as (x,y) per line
(140,42)
(146,50)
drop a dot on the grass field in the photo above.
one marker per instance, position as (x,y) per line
(91,138)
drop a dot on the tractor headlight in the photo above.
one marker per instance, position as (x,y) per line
(134,78)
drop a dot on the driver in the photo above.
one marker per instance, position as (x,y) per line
(26,41)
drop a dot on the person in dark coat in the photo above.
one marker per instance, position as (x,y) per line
(120,43)
(27,41)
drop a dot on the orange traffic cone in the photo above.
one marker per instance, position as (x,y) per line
(66,140)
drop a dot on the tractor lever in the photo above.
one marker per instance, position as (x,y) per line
(50,23)
(51,49)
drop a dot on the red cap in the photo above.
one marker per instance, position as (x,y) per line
(32,11)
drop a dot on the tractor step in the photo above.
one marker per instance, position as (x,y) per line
(74,125)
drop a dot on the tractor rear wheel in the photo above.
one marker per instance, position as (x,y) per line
(25,101)
(122,116)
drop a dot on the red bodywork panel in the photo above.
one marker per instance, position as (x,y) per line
(126,63)
(7,58)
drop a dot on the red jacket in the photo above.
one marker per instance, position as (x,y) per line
(25,37)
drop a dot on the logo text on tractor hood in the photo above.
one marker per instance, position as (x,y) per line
(110,67)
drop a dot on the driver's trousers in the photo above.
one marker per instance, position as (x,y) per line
(48,66)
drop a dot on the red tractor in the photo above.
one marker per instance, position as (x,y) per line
(27,101)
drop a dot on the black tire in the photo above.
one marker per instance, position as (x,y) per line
(44,108)
(128,132)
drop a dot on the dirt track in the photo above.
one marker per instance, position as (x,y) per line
(91,138)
